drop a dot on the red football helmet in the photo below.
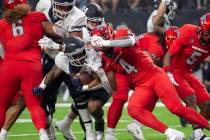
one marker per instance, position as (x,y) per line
(171,34)
(106,32)
(205,23)
(10,4)
(204,29)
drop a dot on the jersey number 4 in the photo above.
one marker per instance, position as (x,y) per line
(194,57)
(127,67)
(17,28)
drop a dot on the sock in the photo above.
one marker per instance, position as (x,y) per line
(4,132)
(110,130)
(114,113)
(86,118)
(67,120)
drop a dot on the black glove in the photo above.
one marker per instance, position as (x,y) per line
(37,91)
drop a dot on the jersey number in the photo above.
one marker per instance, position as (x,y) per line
(17,28)
(127,67)
(194,57)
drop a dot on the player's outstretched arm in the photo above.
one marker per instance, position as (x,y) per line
(161,11)
(54,32)
(51,76)
(98,41)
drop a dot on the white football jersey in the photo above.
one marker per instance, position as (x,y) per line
(74,22)
(150,25)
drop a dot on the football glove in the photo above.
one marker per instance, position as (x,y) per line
(37,91)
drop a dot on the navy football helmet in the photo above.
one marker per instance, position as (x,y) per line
(94,14)
(62,8)
(75,50)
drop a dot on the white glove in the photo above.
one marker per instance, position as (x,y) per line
(48,43)
(167,1)
(96,41)
(171,77)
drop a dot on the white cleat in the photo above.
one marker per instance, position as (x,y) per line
(43,134)
(110,136)
(199,135)
(90,135)
(65,130)
(3,137)
(99,135)
(173,134)
(136,131)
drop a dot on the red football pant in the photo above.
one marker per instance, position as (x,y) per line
(21,76)
(146,94)
(119,97)
(189,85)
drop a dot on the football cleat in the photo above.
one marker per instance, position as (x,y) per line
(90,135)
(198,135)
(65,130)
(136,131)
(173,134)
(99,135)
(43,134)
(110,136)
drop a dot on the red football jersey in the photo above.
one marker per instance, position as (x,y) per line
(149,42)
(135,62)
(20,39)
(187,51)
(1,60)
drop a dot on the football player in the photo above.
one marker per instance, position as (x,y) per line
(20,28)
(148,88)
(160,19)
(76,61)
(95,18)
(63,13)
(191,48)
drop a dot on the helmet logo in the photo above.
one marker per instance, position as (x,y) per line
(85,9)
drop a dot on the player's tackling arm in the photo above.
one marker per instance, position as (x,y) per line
(54,32)
(123,42)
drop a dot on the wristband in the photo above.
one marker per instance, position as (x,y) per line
(106,43)
(85,87)
(133,40)
(43,86)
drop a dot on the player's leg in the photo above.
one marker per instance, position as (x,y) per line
(65,124)
(9,85)
(140,108)
(31,77)
(168,95)
(96,101)
(12,114)
(119,97)
(203,101)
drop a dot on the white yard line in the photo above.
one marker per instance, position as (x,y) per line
(106,105)
(118,131)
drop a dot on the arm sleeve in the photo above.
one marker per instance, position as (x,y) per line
(62,62)
(79,24)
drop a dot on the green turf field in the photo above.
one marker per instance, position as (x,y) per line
(26,131)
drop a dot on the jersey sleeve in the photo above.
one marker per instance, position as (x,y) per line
(62,62)
(78,25)
(180,41)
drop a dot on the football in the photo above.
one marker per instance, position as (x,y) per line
(85,77)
